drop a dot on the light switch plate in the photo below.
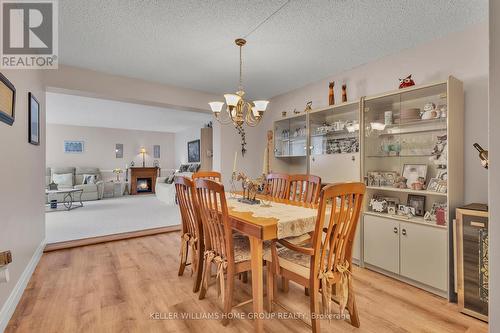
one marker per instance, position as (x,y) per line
(5,258)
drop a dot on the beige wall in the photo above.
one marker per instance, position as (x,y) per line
(463,54)
(100,147)
(494,171)
(22,218)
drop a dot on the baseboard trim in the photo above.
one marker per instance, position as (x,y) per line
(15,296)
(109,238)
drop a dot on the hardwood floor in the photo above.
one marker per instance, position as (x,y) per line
(132,286)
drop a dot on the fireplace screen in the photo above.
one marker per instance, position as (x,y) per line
(144,185)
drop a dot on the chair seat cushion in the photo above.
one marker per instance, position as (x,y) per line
(293,261)
(241,245)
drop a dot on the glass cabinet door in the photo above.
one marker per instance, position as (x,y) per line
(405,152)
(334,143)
(290,137)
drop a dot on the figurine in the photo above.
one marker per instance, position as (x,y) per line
(308,107)
(419,184)
(331,96)
(400,182)
(295,111)
(406,82)
(344,93)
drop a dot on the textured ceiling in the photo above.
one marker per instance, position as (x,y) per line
(95,112)
(189,43)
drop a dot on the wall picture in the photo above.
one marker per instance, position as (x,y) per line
(194,151)
(156,151)
(119,150)
(33,120)
(7,100)
(73,147)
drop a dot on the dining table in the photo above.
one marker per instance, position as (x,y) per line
(279,219)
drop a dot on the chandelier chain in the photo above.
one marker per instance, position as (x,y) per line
(241,71)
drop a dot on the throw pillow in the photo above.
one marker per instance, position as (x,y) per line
(89,179)
(184,168)
(169,179)
(63,179)
(193,168)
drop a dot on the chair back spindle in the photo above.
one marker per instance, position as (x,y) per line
(277,185)
(305,188)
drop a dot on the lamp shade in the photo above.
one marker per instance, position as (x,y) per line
(216,106)
(143,150)
(232,99)
(255,112)
(261,105)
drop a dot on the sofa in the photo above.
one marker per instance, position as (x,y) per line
(165,187)
(73,177)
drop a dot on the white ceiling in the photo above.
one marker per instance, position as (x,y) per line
(189,43)
(95,112)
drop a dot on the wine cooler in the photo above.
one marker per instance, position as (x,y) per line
(472,260)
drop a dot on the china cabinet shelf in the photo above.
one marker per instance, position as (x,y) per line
(413,132)
(399,156)
(406,190)
(415,219)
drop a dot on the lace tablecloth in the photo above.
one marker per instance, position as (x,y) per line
(292,220)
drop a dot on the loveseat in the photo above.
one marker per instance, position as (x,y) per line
(73,177)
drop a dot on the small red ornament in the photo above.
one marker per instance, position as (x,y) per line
(406,82)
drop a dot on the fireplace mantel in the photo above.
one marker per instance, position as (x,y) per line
(147,173)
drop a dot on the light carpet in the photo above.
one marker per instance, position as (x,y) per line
(110,216)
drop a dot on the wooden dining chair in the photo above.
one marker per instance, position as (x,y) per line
(304,188)
(277,185)
(212,175)
(192,229)
(229,254)
(325,264)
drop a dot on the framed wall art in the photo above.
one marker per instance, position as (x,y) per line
(73,147)
(156,151)
(7,100)
(33,120)
(194,151)
(119,150)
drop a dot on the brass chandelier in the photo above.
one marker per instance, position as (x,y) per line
(238,111)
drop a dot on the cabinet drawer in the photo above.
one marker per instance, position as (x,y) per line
(424,254)
(381,243)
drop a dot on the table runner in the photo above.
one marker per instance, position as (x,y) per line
(292,220)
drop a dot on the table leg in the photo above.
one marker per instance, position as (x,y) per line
(257,282)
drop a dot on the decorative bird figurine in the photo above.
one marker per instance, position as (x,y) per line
(406,82)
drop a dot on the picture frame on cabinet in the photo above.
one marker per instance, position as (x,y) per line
(412,172)
(418,203)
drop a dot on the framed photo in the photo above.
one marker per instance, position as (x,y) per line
(412,172)
(7,100)
(119,150)
(33,120)
(194,151)
(156,151)
(381,178)
(437,185)
(73,147)
(418,203)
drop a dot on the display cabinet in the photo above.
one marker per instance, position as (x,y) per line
(412,151)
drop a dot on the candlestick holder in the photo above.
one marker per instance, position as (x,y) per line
(232,186)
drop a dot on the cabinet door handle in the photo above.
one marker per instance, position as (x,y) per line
(403,232)
(395,230)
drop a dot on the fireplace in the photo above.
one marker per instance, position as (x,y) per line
(143,180)
(144,185)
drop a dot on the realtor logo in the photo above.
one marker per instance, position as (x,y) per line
(29,34)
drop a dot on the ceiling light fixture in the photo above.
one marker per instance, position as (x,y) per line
(238,111)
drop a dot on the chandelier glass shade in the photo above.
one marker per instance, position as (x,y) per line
(237,110)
